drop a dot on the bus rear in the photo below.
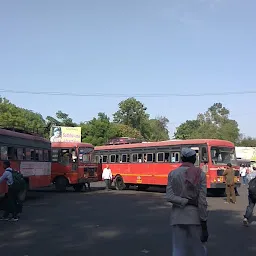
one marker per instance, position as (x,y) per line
(29,154)
(73,165)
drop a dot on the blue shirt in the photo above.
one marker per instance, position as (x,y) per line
(7,175)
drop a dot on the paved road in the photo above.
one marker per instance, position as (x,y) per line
(127,223)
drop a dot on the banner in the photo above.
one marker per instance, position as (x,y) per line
(65,134)
(248,153)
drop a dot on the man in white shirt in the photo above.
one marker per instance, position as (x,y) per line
(243,172)
(107,177)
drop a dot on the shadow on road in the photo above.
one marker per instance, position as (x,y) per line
(114,224)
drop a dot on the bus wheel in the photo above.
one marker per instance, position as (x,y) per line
(61,184)
(78,187)
(23,194)
(119,183)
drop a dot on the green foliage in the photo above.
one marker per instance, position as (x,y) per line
(213,124)
(99,130)
(187,130)
(12,116)
(132,113)
(247,142)
(130,120)
(62,119)
(158,128)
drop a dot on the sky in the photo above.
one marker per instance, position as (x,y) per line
(130,48)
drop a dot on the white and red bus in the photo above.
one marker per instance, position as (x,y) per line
(148,164)
(29,154)
(73,164)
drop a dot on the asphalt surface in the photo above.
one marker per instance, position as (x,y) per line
(127,223)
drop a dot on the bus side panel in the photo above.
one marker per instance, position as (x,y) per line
(39,181)
(62,170)
(38,173)
(143,173)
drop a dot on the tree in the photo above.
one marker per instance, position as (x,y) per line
(122,130)
(159,129)
(133,113)
(12,116)
(213,124)
(99,130)
(62,119)
(187,130)
(247,142)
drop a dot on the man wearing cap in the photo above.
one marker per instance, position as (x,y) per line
(11,195)
(186,190)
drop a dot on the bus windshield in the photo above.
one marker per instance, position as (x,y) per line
(223,155)
(84,154)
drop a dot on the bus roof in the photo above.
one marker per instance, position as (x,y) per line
(212,142)
(21,135)
(71,145)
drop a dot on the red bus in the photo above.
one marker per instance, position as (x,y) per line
(29,154)
(123,140)
(148,164)
(73,165)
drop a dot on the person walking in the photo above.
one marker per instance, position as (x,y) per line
(243,173)
(107,177)
(229,173)
(12,195)
(252,201)
(186,190)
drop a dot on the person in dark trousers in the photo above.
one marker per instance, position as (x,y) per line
(11,207)
(229,173)
(107,177)
(252,201)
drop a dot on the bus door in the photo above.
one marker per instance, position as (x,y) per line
(74,160)
(197,163)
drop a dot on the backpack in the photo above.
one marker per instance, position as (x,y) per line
(19,183)
(252,188)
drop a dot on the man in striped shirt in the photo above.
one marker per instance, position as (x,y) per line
(186,190)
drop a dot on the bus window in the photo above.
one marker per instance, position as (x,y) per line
(112,158)
(105,159)
(32,154)
(125,158)
(160,157)
(167,157)
(37,155)
(10,152)
(20,154)
(134,158)
(175,157)
(97,159)
(204,154)
(85,154)
(40,155)
(64,156)
(150,157)
(4,153)
(140,158)
(74,155)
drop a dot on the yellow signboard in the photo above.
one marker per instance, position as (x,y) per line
(65,134)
